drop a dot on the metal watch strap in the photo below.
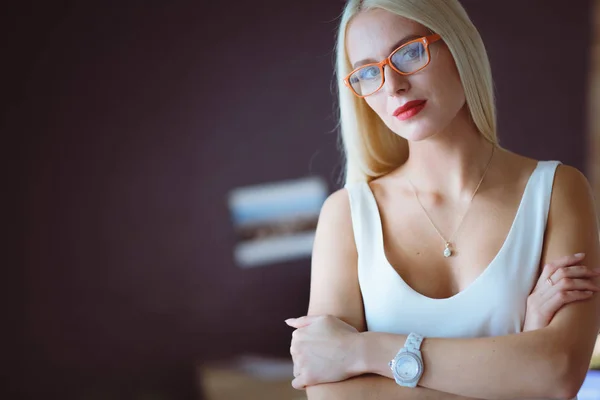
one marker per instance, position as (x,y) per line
(413,342)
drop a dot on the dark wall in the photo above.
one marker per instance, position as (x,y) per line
(133,120)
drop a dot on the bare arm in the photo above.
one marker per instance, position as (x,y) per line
(335,291)
(550,362)
(370,387)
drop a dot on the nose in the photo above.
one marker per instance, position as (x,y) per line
(394,83)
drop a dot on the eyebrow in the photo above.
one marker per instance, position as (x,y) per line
(394,47)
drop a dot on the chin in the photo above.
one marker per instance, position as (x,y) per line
(413,133)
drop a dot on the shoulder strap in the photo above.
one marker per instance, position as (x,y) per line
(365,217)
(525,252)
(355,199)
(543,187)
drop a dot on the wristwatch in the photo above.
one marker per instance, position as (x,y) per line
(407,366)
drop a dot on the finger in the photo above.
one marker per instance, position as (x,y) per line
(565,261)
(568,260)
(576,284)
(302,321)
(576,271)
(553,266)
(573,272)
(559,299)
(568,284)
(298,383)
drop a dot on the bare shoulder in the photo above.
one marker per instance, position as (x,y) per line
(516,166)
(572,221)
(335,232)
(571,187)
(334,288)
(572,228)
(336,209)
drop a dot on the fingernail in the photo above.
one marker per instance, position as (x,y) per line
(287,321)
(579,254)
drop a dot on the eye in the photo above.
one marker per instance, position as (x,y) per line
(412,52)
(368,73)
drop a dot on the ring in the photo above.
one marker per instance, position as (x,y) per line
(549,280)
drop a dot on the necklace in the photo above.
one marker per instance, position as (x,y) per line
(448,242)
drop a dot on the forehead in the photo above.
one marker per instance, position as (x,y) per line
(371,34)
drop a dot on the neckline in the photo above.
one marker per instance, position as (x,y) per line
(506,244)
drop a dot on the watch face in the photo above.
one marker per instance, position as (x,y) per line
(407,367)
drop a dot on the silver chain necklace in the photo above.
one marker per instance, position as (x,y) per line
(448,242)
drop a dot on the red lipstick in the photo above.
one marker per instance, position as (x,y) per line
(409,109)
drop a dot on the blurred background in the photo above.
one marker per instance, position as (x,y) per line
(130,130)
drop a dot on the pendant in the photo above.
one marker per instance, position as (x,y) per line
(447,251)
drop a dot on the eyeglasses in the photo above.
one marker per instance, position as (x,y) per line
(407,59)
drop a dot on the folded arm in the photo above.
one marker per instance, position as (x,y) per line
(551,362)
(335,291)
(371,387)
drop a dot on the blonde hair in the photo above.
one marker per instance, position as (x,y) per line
(370,148)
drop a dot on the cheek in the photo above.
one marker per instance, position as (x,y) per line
(377,104)
(452,94)
(448,85)
(380,108)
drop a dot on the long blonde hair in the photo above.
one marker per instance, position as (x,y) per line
(370,148)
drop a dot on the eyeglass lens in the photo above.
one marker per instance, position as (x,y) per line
(408,59)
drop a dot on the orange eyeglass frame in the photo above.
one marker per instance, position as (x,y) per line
(426,40)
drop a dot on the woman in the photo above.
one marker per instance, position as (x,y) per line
(431,270)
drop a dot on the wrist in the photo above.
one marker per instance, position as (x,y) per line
(534,322)
(375,352)
(358,363)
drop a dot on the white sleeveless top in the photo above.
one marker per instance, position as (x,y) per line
(493,305)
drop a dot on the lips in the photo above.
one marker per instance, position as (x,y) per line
(407,106)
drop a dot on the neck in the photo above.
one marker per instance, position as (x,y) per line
(451,163)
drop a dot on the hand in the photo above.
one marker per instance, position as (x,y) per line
(324,349)
(561,282)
